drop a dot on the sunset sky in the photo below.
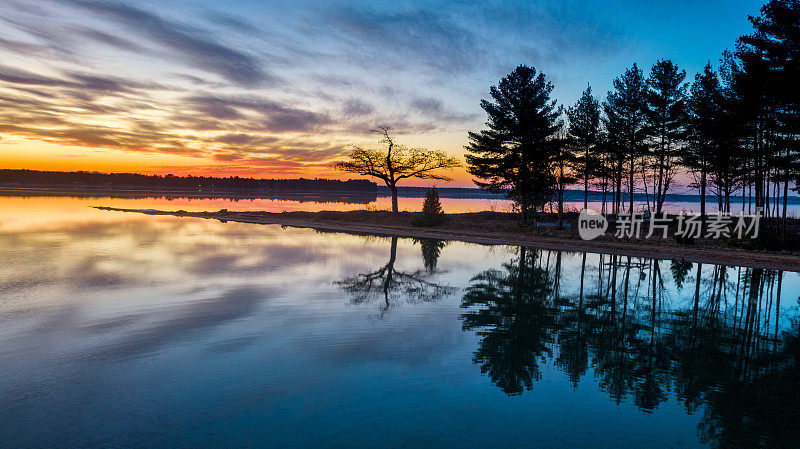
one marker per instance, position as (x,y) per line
(280,88)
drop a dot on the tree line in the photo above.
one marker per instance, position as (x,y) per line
(734,129)
(204,184)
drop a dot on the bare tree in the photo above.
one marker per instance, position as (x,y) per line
(397,163)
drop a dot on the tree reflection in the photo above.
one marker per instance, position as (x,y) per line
(509,309)
(431,249)
(393,285)
(719,350)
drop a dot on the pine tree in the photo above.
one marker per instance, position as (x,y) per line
(514,155)
(705,109)
(730,162)
(625,124)
(432,213)
(776,42)
(665,110)
(584,135)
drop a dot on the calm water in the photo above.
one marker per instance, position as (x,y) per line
(132,330)
(409,200)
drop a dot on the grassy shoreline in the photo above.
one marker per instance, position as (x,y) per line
(498,228)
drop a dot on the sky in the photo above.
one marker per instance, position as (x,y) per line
(279,89)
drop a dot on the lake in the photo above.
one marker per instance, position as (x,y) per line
(454,200)
(129,330)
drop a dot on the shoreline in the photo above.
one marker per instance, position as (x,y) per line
(474,229)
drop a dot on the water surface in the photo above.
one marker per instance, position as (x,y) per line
(132,330)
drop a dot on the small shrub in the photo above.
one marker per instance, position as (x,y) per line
(432,213)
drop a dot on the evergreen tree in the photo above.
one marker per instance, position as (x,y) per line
(584,135)
(515,153)
(750,102)
(730,162)
(432,213)
(665,110)
(705,109)
(625,124)
(563,160)
(776,43)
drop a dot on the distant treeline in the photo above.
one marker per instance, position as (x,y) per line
(134,181)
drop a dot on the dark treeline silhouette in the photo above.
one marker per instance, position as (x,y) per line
(721,348)
(170,183)
(731,129)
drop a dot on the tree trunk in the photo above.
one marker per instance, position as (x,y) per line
(619,190)
(785,204)
(580,304)
(524,210)
(389,272)
(394,198)
(703,200)
(558,277)
(586,179)
(561,196)
(630,187)
(586,193)
(660,186)
(697,289)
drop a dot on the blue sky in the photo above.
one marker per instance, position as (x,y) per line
(266,87)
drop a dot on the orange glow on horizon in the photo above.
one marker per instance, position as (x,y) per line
(20,153)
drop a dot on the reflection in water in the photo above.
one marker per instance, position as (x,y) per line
(431,250)
(395,285)
(725,352)
(128,329)
(353,197)
(517,323)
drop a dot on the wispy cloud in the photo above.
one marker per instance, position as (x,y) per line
(200,49)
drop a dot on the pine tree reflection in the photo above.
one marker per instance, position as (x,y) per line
(720,351)
(431,249)
(511,310)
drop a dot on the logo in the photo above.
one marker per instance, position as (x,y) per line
(591,224)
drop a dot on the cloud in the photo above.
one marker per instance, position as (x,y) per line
(200,48)
(409,37)
(434,109)
(110,39)
(83,82)
(18,76)
(244,139)
(427,105)
(274,116)
(24,48)
(355,106)
(233,22)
